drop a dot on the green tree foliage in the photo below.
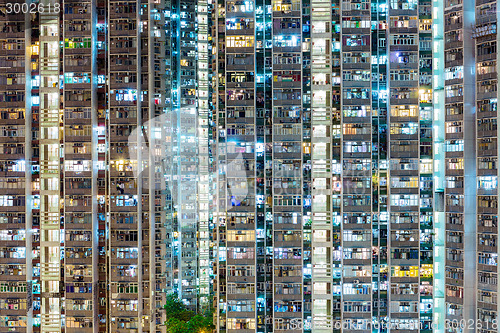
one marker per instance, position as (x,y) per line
(181,320)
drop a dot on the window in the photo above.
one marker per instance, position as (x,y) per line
(288,289)
(404,39)
(486,86)
(13,252)
(404,148)
(356,184)
(356,289)
(356,93)
(403,21)
(124,25)
(404,182)
(125,253)
(488,163)
(404,306)
(356,218)
(487,48)
(288,306)
(404,128)
(125,271)
(240,270)
(404,271)
(77,43)
(487,202)
(240,324)
(76,78)
(287,218)
(355,40)
(12,200)
(487,146)
(240,306)
(357,5)
(454,109)
(357,147)
(356,200)
(403,75)
(123,219)
(128,95)
(403,93)
(355,22)
(488,258)
(425,25)
(288,236)
(240,236)
(454,182)
(287,147)
(233,130)
(125,77)
(123,42)
(487,278)
(454,273)
(356,129)
(357,306)
(405,57)
(487,125)
(404,4)
(404,111)
(454,73)
(356,57)
(12,44)
(404,164)
(486,67)
(404,289)
(487,297)
(487,182)
(406,254)
(454,145)
(356,75)
(426,166)
(425,95)
(287,253)
(287,270)
(356,111)
(241,253)
(287,130)
(233,24)
(454,127)
(357,253)
(241,288)
(13,321)
(240,41)
(78,130)
(454,36)
(487,105)
(13,287)
(77,113)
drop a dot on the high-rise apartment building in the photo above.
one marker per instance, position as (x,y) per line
(329,109)
(300,165)
(483,290)
(459,148)
(100,115)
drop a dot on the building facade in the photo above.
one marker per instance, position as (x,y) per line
(485,293)
(298,165)
(348,120)
(96,143)
(459,189)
